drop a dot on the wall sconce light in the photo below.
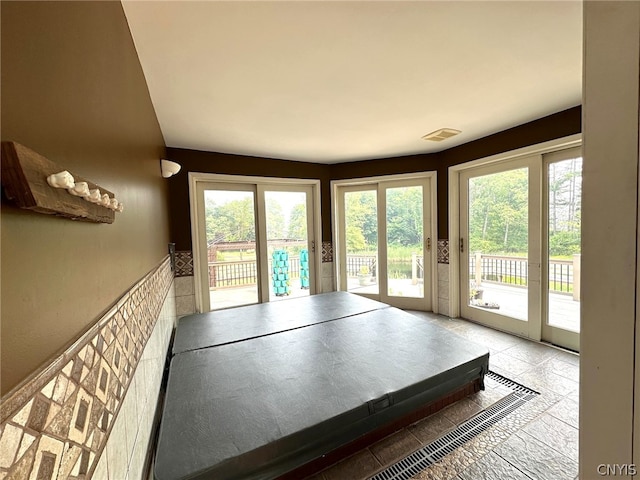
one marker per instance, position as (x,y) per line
(169,168)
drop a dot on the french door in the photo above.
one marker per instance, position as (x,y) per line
(289,246)
(384,241)
(561,224)
(520,246)
(255,242)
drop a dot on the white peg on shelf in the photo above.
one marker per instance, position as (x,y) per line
(94,196)
(80,189)
(61,180)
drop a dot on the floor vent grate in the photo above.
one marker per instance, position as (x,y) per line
(507,382)
(438,449)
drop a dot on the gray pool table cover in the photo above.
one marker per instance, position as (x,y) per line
(262,407)
(242,323)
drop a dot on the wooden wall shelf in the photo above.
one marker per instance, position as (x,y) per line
(24,180)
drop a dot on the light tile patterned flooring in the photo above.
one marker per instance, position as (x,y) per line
(537,441)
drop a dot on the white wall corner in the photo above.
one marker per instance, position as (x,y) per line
(608,425)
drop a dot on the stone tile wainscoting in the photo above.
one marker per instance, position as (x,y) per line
(184,263)
(443,277)
(89,413)
(185,285)
(328,277)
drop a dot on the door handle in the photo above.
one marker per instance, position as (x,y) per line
(429,244)
(462,245)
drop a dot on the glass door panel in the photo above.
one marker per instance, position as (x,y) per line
(288,253)
(253,241)
(361,241)
(498,243)
(565,193)
(520,224)
(405,241)
(230,240)
(500,247)
(563,212)
(384,241)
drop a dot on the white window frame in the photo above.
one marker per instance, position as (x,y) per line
(454,202)
(199,177)
(429,176)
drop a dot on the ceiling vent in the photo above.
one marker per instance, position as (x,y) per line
(442,134)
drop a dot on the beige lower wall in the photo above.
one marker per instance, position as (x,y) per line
(328,279)
(128,444)
(185,296)
(443,289)
(91,408)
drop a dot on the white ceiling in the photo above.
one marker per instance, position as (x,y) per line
(338,81)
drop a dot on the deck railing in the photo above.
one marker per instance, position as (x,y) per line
(224,274)
(232,274)
(242,272)
(414,266)
(357,263)
(564,275)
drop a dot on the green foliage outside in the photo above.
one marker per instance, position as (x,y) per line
(275,220)
(234,221)
(564,244)
(297,227)
(560,286)
(404,222)
(498,216)
(361,222)
(508,279)
(404,216)
(498,211)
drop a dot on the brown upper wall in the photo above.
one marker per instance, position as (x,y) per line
(559,125)
(221,163)
(73,91)
(562,124)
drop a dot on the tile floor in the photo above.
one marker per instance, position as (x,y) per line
(537,441)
